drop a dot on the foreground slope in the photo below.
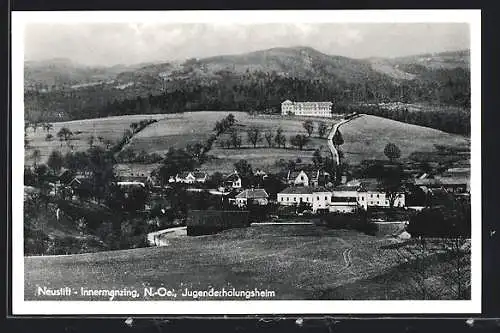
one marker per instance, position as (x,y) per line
(297,262)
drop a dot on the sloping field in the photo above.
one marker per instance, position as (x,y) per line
(179,130)
(297,262)
(365,137)
(110,128)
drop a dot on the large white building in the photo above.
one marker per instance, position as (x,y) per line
(311,109)
(344,198)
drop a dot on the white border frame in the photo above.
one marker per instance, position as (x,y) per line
(22,307)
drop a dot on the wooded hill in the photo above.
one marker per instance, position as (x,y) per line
(259,81)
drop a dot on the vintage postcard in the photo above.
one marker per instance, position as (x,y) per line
(246,162)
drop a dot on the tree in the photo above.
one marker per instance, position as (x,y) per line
(49,137)
(91,141)
(280,138)
(322,128)
(134,127)
(215,180)
(175,161)
(230,119)
(235,138)
(309,126)
(299,141)
(269,138)
(338,140)
(254,135)
(36,157)
(64,134)
(48,127)
(244,170)
(392,152)
(317,159)
(55,161)
(391,179)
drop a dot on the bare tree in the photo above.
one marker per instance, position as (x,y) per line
(36,155)
(254,136)
(309,127)
(322,129)
(299,141)
(235,139)
(280,138)
(269,138)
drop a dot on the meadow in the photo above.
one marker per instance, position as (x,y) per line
(297,262)
(111,128)
(179,130)
(366,136)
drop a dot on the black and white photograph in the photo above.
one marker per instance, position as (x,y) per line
(246,162)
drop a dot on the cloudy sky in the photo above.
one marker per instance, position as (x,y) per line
(120,43)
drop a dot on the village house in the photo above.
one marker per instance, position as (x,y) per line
(233,181)
(307,178)
(449,184)
(189,177)
(257,196)
(311,109)
(370,190)
(318,198)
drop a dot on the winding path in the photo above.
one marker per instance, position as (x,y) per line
(334,130)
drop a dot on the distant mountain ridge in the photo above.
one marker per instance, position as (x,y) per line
(302,62)
(254,81)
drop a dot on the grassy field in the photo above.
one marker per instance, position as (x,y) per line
(365,138)
(297,262)
(179,130)
(110,128)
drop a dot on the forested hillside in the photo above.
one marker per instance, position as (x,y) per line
(258,81)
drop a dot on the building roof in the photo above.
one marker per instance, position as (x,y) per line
(303,190)
(130,184)
(233,177)
(183,174)
(257,193)
(345,188)
(200,174)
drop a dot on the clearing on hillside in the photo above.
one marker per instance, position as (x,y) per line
(110,128)
(365,138)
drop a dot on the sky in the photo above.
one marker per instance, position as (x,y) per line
(121,43)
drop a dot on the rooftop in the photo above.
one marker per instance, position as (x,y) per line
(303,190)
(257,193)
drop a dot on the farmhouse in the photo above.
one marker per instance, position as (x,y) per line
(307,178)
(449,184)
(189,177)
(367,193)
(258,196)
(312,109)
(233,181)
(371,191)
(319,198)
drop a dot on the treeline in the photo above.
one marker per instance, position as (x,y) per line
(252,91)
